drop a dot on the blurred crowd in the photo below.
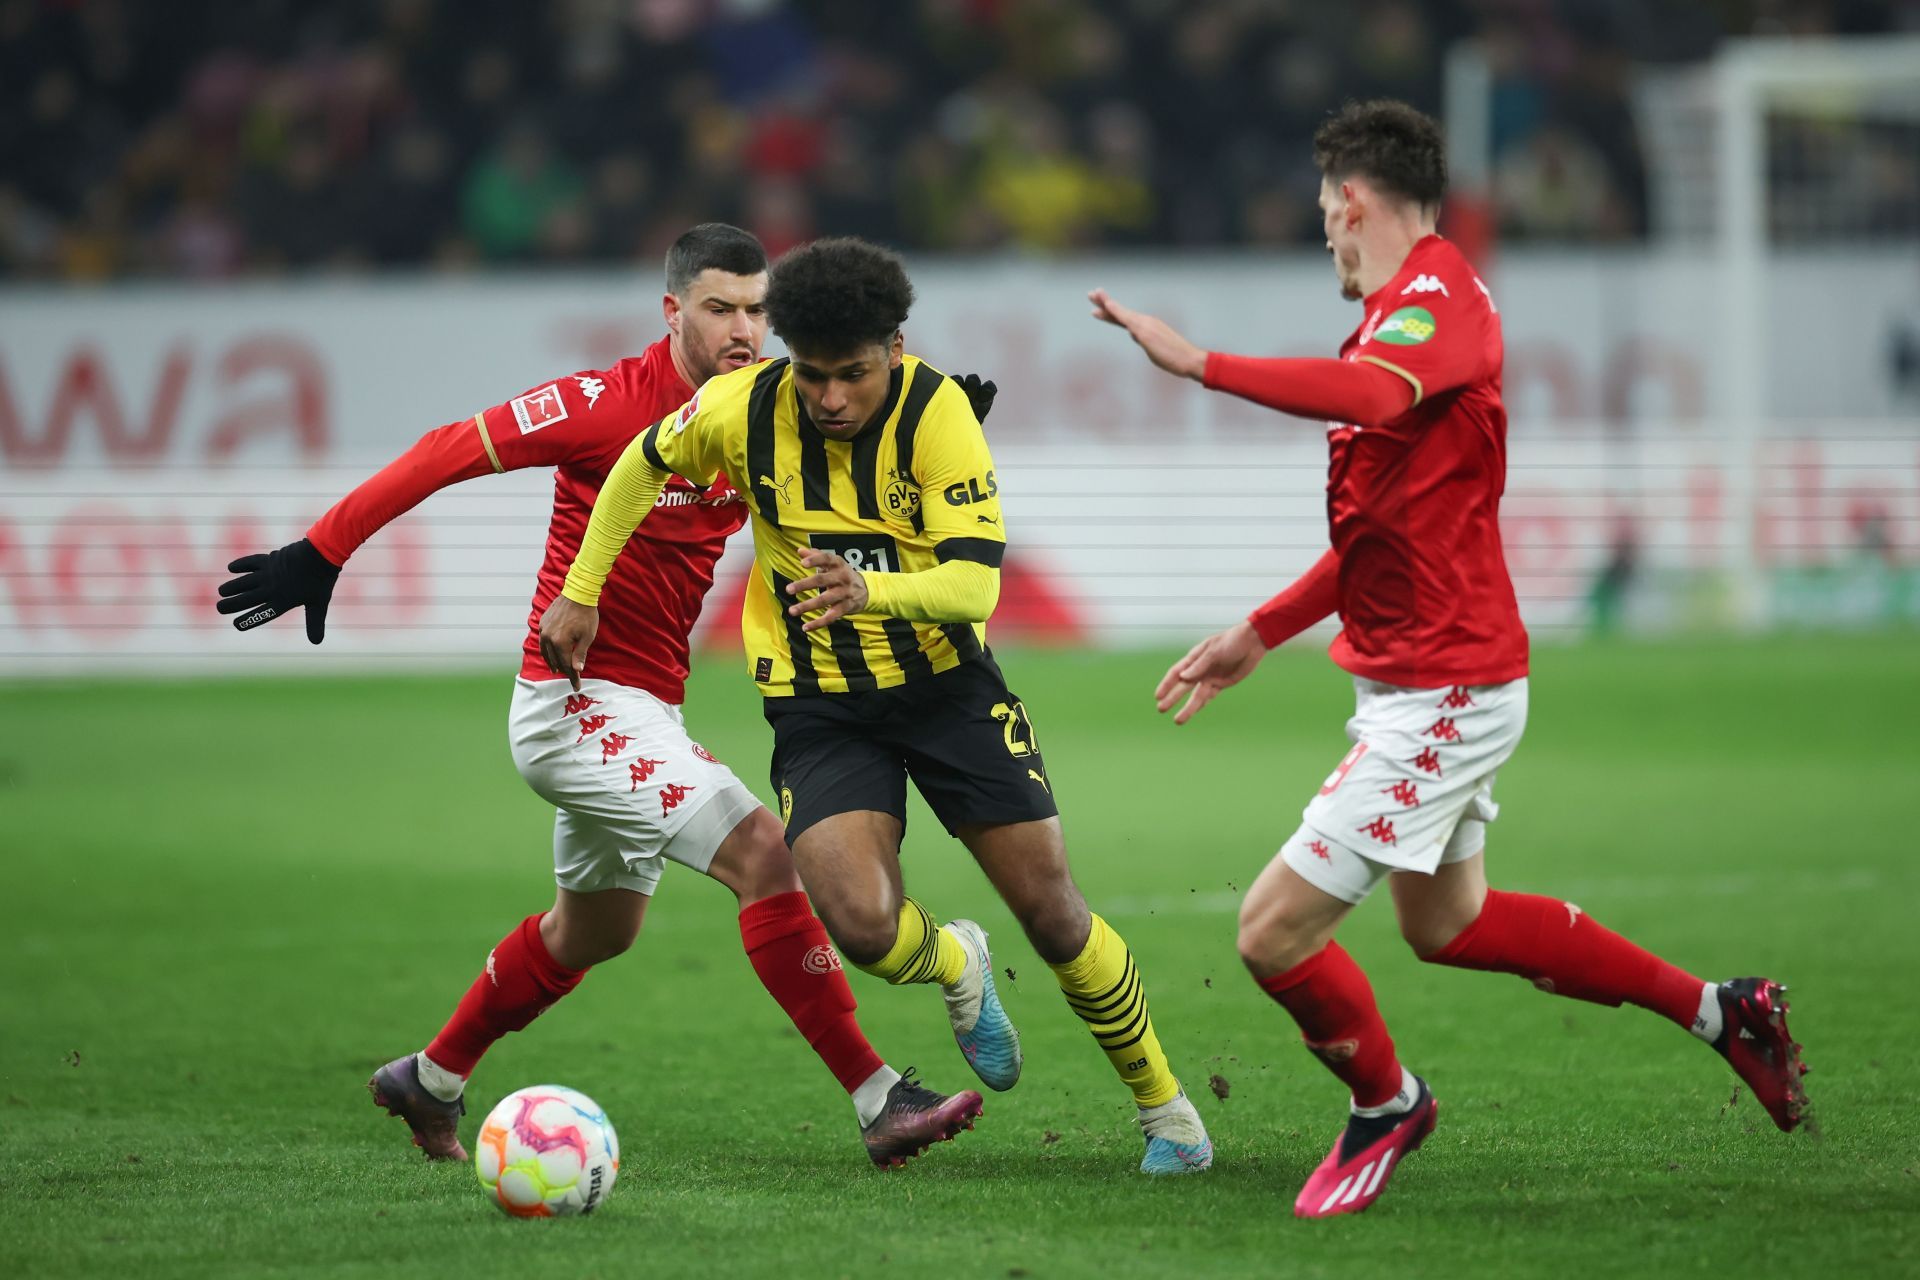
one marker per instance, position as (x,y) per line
(197,139)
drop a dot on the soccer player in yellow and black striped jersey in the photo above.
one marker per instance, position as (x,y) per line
(877,544)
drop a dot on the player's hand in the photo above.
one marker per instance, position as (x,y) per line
(1160,340)
(1222,659)
(979,394)
(269,584)
(842,589)
(567,630)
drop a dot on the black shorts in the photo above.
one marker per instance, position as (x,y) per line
(961,735)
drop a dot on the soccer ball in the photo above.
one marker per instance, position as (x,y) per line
(547,1152)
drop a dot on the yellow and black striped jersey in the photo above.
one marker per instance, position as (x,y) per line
(915,492)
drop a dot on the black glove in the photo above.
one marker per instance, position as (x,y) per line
(269,585)
(979,394)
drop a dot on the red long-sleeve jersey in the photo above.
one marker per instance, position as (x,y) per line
(1418,445)
(580,425)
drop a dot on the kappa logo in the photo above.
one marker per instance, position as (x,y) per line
(640,770)
(786,499)
(1380,829)
(491,972)
(538,409)
(1444,730)
(820,959)
(591,388)
(670,797)
(612,745)
(593,724)
(1426,284)
(1573,914)
(1429,760)
(1319,850)
(1456,700)
(1405,793)
(578,702)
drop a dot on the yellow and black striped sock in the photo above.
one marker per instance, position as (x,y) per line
(1102,984)
(922,951)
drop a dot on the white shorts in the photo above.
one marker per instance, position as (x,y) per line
(1416,791)
(631,787)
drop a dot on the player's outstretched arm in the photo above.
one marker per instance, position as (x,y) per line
(301,575)
(1230,656)
(1161,341)
(271,583)
(1323,390)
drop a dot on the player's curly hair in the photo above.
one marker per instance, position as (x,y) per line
(1390,144)
(833,296)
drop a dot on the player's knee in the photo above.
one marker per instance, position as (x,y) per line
(864,934)
(1269,942)
(1058,928)
(1428,938)
(581,944)
(757,859)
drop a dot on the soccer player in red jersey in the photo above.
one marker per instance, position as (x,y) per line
(631,788)
(1432,635)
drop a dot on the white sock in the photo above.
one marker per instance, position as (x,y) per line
(1399,1102)
(441,1083)
(1177,1103)
(1709,1023)
(870,1099)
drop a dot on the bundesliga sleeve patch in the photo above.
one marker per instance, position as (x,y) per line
(538,409)
(687,411)
(1407,327)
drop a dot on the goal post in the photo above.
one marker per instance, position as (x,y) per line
(1781,173)
(1860,90)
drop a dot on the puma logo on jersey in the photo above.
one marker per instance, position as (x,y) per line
(591,388)
(786,499)
(1426,284)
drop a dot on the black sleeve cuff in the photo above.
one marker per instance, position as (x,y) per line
(977,550)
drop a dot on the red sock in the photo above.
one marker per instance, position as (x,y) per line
(1331,999)
(1563,950)
(521,979)
(800,969)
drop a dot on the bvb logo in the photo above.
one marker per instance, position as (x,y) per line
(786,804)
(903,495)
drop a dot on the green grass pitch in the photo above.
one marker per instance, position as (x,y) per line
(223,903)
